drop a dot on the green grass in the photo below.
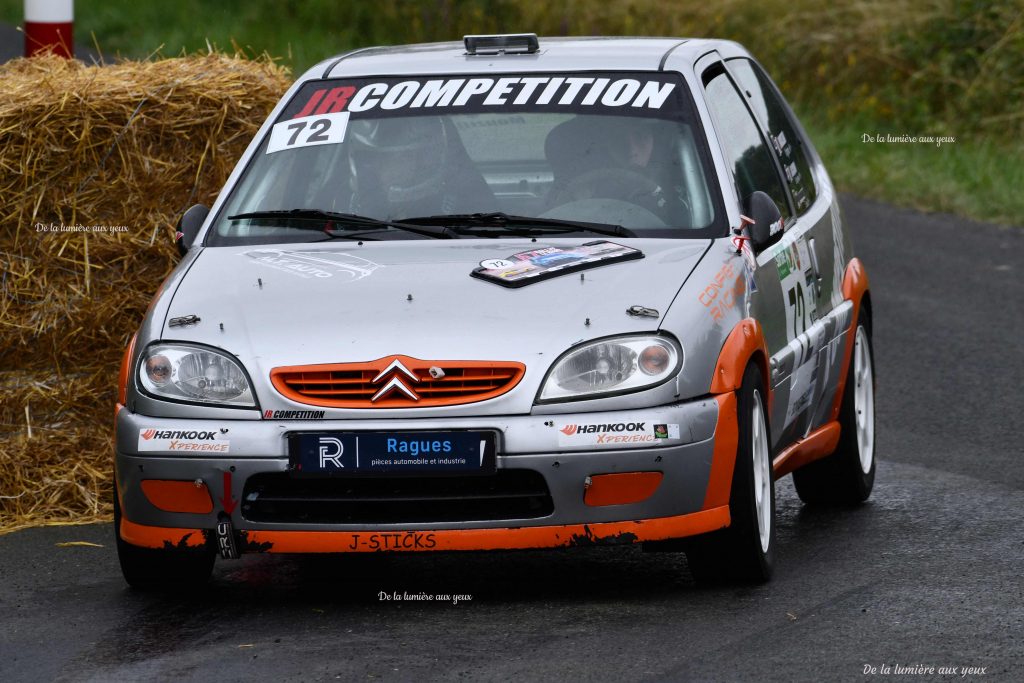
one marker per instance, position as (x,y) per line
(299,32)
(138,29)
(976,177)
(946,67)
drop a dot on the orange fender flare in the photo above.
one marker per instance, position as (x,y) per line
(746,341)
(125,374)
(855,285)
(723,458)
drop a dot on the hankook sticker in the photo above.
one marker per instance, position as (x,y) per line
(615,433)
(177,440)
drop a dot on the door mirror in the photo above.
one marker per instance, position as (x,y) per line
(188,227)
(767,220)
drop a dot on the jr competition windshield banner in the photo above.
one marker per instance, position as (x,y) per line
(319,114)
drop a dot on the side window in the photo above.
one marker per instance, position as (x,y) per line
(753,167)
(784,137)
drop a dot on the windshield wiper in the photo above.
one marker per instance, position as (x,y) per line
(466,224)
(347,218)
(360,235)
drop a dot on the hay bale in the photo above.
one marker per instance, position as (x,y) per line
(83,148)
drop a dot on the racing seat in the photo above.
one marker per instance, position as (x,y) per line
(572,148)
(465,190)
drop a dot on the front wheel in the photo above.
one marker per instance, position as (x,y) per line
(745,550)
(166,569)
(847,475)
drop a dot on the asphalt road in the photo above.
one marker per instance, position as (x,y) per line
(927,573)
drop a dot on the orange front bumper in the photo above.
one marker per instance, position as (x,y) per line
(605,533)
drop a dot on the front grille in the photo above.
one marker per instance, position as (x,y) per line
(508,494)
(372,384)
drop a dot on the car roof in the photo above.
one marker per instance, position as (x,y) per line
(555,54)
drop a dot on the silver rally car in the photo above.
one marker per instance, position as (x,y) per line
(505,293)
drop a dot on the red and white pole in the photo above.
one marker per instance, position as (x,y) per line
(48,27)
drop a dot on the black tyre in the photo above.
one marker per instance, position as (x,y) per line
(168,569)
(745,550)
(847,476)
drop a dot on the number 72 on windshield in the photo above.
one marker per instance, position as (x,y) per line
(322,129)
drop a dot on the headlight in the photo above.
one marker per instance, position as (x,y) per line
(182,372)
(616,365)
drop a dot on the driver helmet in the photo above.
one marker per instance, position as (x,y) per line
(406,152)
(635,145)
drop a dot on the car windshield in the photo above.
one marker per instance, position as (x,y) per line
(616,151)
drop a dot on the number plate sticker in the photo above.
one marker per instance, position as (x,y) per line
(321,129)
(353,453)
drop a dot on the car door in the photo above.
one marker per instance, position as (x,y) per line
(790,271)
(816,229)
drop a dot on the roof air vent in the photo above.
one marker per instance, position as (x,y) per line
(507,44)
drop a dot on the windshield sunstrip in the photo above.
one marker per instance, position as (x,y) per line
(644,94)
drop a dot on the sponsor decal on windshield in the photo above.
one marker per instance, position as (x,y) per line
(525,267)
(320,114)
(621,91)
(615,433)
(323,129)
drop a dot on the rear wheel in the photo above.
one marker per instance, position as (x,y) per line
(848,475)
(164,569)
(745,550)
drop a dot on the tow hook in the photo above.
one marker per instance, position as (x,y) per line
(227,544)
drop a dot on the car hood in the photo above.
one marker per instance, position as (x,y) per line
(301,304)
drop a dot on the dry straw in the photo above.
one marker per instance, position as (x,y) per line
(96,164)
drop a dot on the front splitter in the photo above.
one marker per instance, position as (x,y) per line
(513,538)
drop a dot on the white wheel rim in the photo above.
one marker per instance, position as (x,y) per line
(864,400)
(762,472)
